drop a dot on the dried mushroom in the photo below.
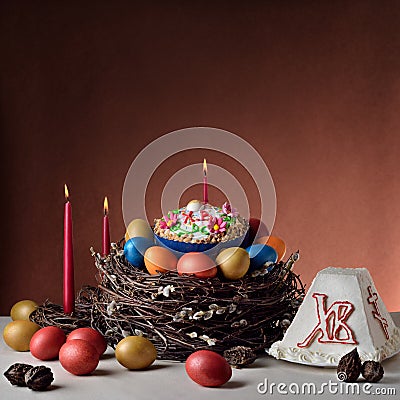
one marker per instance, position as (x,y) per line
(349,367)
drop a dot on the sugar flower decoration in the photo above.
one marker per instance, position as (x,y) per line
(216,225)
(168,222)
(228,210)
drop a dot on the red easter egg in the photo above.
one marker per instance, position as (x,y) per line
(209,273)
(208,368)
(79,357)
(257,229)
(90,335)
(46,343)
(198,264)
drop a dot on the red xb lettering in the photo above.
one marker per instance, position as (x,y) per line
(331,326)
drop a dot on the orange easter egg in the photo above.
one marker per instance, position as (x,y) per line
(159,259)
(276,243)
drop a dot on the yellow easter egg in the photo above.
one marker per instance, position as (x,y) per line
(135,352)
(22,310)
(18,334)
(233,262)
(139,227)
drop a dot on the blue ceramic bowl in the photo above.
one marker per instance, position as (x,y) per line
(211,249)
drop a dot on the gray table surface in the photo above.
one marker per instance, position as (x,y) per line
(168,380)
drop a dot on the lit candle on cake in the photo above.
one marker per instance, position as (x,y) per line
(205,183)
(106,230)
(69,290)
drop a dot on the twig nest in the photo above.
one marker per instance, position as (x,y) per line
(181,314)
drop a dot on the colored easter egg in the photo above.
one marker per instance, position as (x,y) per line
(79,357)
(277,243)
(18,334)
(198,264)
(135,352)
(208,368)
(135,248)
(159,259)
(46,343)
(139,227)
(261,254)
(22,310)
(90,335)
(257,229)
(233,262)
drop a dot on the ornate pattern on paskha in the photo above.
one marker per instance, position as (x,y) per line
(373,299)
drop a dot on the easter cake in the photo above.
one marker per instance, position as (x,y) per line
(200,227)
(342,310)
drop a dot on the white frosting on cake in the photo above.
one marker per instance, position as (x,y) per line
(193,223)
(197,224)
(342,310)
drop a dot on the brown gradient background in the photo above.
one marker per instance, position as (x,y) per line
(314,86)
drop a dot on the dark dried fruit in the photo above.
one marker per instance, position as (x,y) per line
(39,378)
(349,367)
(372,371)
(240,356)
(16,373)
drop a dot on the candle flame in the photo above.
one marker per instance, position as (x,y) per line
(66,192)
(105,205)
(205,167)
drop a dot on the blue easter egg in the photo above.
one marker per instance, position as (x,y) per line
(135,248)
(261,254)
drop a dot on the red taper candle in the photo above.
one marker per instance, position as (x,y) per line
(106,230)
(205,183)
(69,289)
